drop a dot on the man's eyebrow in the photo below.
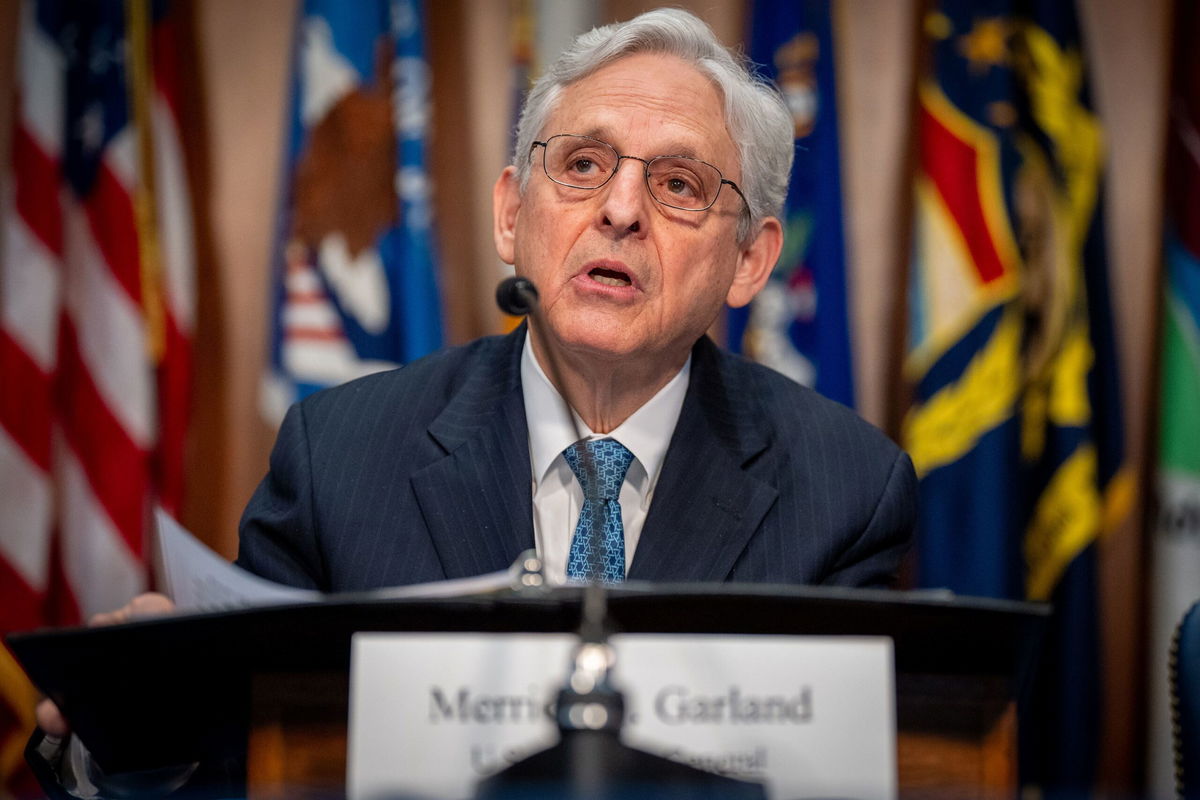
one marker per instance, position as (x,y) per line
(604,135)
(596,133)
(686,152)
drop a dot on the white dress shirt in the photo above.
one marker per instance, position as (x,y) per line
(557,495)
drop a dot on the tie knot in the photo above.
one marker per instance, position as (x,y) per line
(610,461)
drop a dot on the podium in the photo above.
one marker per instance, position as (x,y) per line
(270,684)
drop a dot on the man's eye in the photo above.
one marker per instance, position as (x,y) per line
(681,186)
(582,165)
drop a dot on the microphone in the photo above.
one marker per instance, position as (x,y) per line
(517,296)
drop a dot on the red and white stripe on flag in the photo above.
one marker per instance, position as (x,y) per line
(91,424)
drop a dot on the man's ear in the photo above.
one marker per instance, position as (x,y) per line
(755,262)
(506,202)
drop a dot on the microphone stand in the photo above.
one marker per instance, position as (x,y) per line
(590,761)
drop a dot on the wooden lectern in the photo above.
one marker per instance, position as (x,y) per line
(272,683)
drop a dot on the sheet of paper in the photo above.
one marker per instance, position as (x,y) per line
(459,587)
(198,579)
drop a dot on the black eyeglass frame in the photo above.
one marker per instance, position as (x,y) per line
(645,172)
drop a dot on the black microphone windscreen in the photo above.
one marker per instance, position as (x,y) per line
(516,296)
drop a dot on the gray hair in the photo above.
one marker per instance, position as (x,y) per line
(755,114)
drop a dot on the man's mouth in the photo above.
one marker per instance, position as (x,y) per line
(610,277)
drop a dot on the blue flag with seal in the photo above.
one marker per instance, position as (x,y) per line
(1015,428)
(797,325)
(355,284)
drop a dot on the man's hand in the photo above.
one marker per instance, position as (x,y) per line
(151,604)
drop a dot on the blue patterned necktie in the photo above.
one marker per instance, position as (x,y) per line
(610,461)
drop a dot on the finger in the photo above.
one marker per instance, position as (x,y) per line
(51,720)
(149,605)
(109,617)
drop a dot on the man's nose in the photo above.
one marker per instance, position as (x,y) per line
(626,199)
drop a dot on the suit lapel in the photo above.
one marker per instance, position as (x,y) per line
(705,506)
(476,500)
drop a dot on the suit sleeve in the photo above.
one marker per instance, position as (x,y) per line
(874,558)
(277,537)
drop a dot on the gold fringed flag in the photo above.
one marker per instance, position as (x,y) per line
(1015,424)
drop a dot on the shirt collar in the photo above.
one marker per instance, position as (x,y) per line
(553,425)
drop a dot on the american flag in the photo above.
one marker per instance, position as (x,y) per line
(96,316)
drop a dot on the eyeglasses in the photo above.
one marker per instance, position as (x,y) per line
(582,162)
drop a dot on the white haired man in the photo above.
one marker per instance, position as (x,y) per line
(649,172)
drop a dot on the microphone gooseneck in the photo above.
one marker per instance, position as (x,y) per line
(517,296)
(590,761)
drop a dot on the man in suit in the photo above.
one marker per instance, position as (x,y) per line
(648,178)
(423,474)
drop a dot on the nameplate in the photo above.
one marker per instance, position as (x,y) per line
(432,714)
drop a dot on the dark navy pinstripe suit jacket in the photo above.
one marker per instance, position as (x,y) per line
(422,474)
